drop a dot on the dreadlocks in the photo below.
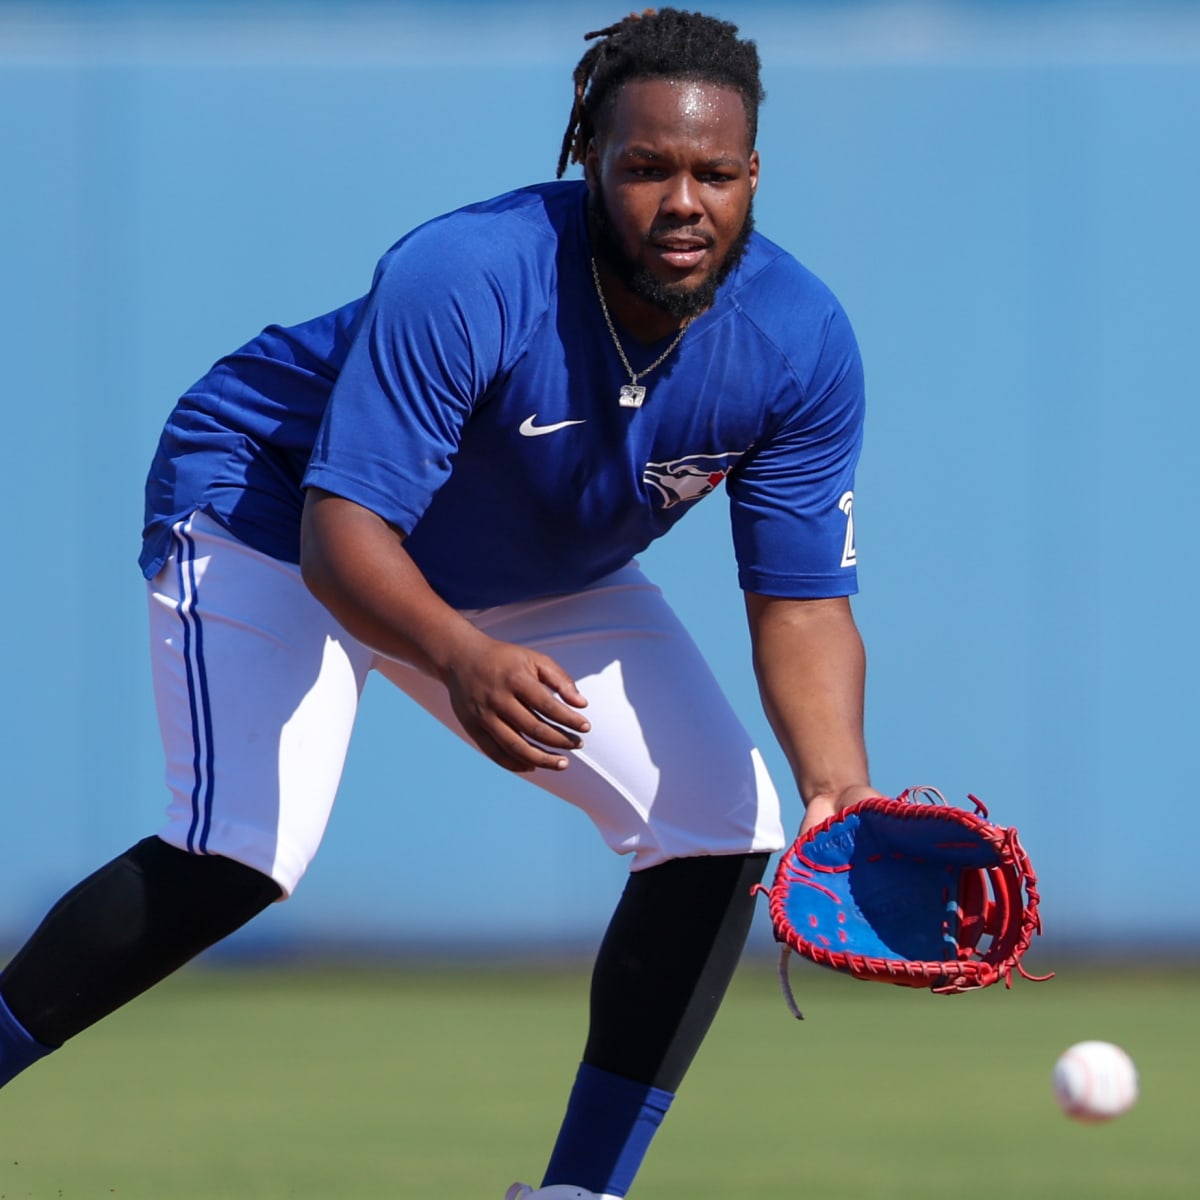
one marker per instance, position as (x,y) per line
(667,44)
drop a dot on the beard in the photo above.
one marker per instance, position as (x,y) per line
(677,300)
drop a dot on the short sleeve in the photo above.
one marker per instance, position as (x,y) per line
(428,346)
(792,497)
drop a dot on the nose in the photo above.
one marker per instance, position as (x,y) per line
(681,199)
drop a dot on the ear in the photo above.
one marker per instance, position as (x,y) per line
(753,172)
(591,166)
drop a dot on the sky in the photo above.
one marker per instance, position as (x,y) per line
(1003,196)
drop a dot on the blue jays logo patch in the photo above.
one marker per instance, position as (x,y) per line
(690,477)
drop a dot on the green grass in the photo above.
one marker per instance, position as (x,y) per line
(390,1084)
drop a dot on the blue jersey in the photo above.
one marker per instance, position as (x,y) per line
(471,399)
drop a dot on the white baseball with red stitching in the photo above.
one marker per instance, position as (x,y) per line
(1095,1081)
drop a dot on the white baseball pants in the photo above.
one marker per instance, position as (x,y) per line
(257,687)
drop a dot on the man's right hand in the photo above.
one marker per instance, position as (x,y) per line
(518,706)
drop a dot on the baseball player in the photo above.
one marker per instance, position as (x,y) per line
(447,481)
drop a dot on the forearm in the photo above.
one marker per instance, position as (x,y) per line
(811,667)
(518,705)
(356,565)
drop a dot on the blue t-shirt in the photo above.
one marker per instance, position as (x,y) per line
(471,399)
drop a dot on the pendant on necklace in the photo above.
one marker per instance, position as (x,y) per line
(631,396)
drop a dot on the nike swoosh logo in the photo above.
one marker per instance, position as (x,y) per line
(529,429)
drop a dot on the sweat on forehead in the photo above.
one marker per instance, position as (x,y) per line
(689,99)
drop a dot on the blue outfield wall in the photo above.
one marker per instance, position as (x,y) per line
(1004,197)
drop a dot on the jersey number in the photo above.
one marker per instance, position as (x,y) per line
(849,554)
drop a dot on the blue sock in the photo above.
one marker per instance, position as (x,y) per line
(608,1128)
(17,1049)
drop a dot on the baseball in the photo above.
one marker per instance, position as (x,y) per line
(1095,1081)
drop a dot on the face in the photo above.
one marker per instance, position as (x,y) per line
(672,177)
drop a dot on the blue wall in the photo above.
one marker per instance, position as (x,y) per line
(1003,195)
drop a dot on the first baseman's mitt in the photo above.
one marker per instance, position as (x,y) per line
(910,891)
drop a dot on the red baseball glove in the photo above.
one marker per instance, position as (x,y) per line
(910,891)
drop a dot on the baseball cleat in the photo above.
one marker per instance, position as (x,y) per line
(559,1191)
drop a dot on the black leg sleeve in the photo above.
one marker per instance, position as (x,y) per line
(665,963)
(122,930)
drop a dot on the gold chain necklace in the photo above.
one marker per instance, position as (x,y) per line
(632,394)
